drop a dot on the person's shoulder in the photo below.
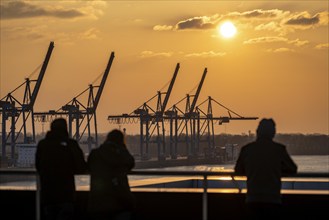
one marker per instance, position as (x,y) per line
(246,148)
(282,146)
(42,143)
(94,155)
(94,152)
(72,142)
(248,145)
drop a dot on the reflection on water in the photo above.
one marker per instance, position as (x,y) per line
(18,185)
(316,164)
(207,168)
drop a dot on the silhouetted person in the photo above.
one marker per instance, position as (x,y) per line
(58,158)
(110,196)
(264,162)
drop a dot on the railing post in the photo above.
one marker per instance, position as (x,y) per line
(37,198)
(205,198)
(236,184)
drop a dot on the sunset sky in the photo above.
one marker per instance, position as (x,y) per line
(276,65)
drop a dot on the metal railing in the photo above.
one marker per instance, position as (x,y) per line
(204,174)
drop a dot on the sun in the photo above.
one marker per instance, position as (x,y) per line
(227,29)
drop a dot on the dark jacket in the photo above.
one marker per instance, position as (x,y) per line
(58,158)
(109,188)
(264,162)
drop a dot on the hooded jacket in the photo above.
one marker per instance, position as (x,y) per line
(109,188)
(58,158)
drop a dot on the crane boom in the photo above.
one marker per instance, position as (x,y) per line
(101,86)
(41,75)
(196,96)
(165,101)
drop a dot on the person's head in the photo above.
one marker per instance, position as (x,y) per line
(59,125)
(116,136)
(266,128)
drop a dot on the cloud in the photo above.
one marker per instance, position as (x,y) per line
(202,23)
(90,34)
(296,21)
(148,54)
(298,43)
(271,26)
(162,27)
(303,19)
(258,13)
(280,50)
(42,32)
(211,22)
(206,54)
(324,18)
(279,21)
(265,40)
(21,9)
(72,37)
(322,46)
(25,32)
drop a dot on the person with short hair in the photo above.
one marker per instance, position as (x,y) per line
(110,196)
(58,159)
(264,162)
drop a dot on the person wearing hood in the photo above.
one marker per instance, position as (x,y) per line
(264,162)
(58,159)
(110,196)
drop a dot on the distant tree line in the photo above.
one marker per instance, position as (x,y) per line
(297,144)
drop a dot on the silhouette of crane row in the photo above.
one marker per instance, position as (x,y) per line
(81,117)
(191,126)
(19,114)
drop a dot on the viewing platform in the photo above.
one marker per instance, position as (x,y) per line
(174,195)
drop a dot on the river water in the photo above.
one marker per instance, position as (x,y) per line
(305,163)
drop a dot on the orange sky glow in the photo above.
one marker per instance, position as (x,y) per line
(276,65)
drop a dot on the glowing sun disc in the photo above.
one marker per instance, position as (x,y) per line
(227,29)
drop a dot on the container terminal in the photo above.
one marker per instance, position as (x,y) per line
(189,127)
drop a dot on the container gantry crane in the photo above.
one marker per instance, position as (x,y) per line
(20,113)
(205,121)
(80,120)
(192,126)
(187,122)
(151,121)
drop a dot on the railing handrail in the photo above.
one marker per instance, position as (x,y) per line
(169,173)
(204,174)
